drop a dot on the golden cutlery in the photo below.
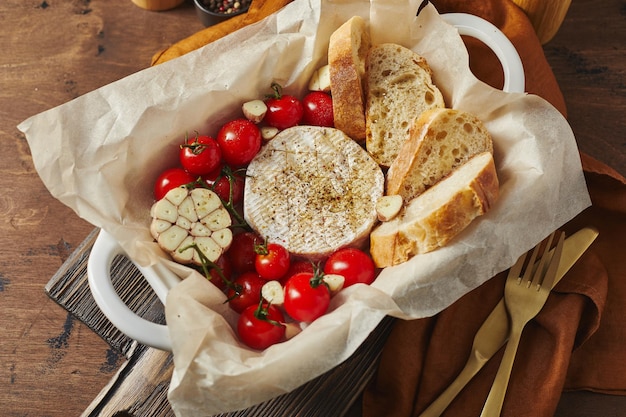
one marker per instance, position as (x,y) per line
(493,333)
(524,297)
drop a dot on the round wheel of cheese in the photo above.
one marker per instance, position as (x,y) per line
(313,190)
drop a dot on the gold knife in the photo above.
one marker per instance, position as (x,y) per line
(493,333)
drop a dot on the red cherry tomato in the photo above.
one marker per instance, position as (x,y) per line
(272,261)
(241,252)
(246,291)
(283,112)
(222,188)
(171,178)
(240,141)
(318,109)
(200,156)
(355,265)
(296,267)
(259,327)
(306,297)
(213,175)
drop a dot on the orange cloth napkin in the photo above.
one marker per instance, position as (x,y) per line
(574,343)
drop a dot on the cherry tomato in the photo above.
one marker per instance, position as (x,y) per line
(247,291)
(272,261)
(200,156)
(283,111)
(213,175)
(241,252)
(306,297)
(240,141)
(355,265)
(259,327)
(171,178)
(222,187)
(296,267)
(223,263)
(318,109)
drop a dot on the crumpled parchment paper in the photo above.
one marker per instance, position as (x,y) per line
(100,153)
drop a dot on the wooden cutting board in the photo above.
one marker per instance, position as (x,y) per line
(139,388)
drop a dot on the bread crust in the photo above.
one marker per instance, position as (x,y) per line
(426,225)
(440,140)
(347,51)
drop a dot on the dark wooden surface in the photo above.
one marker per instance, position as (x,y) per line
(53,51)
(51,364)
(588,56)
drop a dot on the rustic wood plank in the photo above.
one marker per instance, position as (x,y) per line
(139,388)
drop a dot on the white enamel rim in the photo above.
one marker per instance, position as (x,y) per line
(161,279)
(490,35)
(105,248)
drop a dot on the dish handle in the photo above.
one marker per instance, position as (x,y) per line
(160,279)
(490,35)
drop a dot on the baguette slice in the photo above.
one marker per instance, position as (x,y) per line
(398,88)
(439,214)
(347,51)
(440,140)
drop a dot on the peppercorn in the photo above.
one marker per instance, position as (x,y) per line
(226,6)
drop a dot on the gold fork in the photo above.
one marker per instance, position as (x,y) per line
(524,298)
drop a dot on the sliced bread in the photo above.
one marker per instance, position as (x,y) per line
(435,217)
(398,87)
(440,140)
(347,51)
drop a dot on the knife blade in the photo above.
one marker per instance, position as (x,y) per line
(493,333)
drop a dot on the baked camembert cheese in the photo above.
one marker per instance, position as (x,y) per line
(313,190)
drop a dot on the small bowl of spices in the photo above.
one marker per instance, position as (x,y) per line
(211,12)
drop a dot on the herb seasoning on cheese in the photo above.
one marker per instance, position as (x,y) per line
(313,190)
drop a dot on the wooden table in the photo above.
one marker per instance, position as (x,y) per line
(55,50)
